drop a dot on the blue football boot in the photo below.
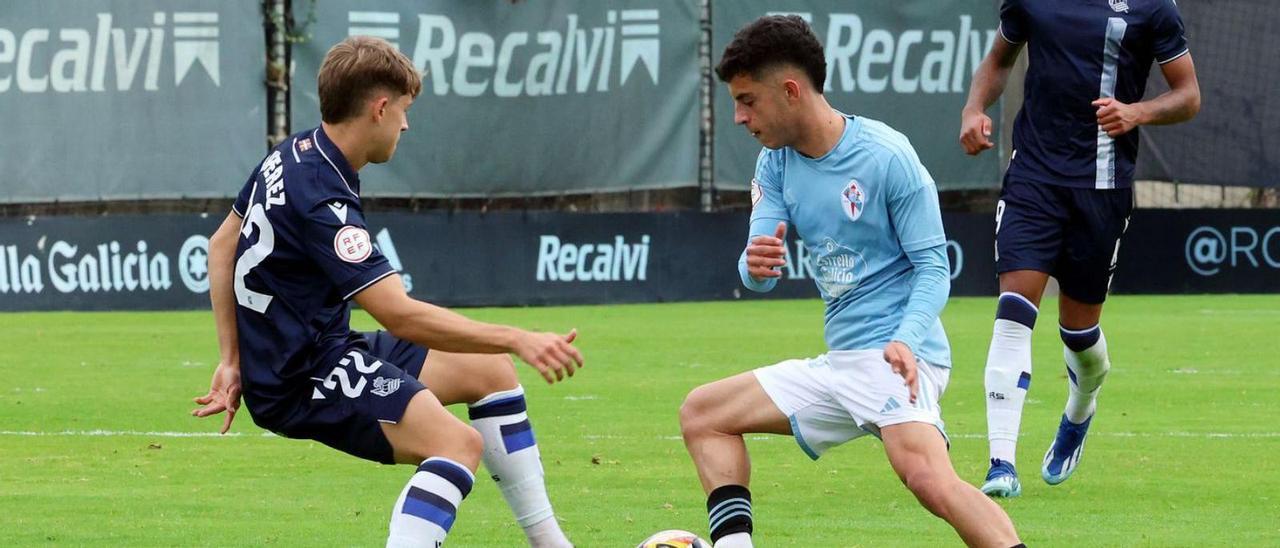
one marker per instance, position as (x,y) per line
(1002,480)
(1064,455)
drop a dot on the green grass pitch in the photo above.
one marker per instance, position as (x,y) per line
(1183,452)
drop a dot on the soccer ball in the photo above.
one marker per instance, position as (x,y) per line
(674,538)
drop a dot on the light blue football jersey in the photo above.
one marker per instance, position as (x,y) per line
(860,209)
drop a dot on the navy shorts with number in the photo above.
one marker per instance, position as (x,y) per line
(1070,233)
(344,403)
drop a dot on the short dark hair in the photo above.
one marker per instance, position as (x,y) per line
(357,67)
(770,41)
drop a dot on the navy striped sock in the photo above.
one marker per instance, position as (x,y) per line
(512,457)
(729,511)
(429,503)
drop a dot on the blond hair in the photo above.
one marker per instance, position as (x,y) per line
(357,67)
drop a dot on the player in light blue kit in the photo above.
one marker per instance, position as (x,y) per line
(867,209)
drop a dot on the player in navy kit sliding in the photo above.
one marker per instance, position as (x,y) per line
(1068,191)
(284,265)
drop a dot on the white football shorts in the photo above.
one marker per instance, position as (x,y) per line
(845,394)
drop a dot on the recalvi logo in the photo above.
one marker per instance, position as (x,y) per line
(80,60)
(876,60)
(525,63)
(614,261)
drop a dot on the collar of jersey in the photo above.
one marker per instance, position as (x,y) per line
(849,122)
(333,155)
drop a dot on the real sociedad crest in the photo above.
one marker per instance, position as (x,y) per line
(1119,6)
(853,200)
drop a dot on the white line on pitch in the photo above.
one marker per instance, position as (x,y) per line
(140,433)
(118,433)
(1205,435)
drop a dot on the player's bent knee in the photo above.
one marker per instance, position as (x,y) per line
(492,373)
(503,373)
(460,443)
(930,488)
(428,430)
(472,444)
(695,412)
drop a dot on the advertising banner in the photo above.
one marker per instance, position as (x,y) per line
(528,98)
(907,64)
(127,100)
(549,258)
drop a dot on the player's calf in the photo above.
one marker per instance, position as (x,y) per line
(512,457)
(498,411)
(931,489)
(1087,365)
(447,452)
(719,454)
(1008,373)
(1085,351)
(428,504)
(918,454)
(713,418)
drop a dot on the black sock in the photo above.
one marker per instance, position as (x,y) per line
(729,511)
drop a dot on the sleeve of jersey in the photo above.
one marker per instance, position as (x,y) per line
(913,205)
(1170,35)
(767,209)
(914,211)
(930,287)
(1013,22)
(339,242)
(241,206)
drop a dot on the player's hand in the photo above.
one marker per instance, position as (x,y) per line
(224,395)
(975,132)
(552,354)
(765,254)
(1117,118)
(904,364)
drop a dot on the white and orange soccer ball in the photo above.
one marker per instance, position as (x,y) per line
(674,538)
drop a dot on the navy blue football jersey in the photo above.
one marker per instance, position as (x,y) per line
(303,252)
(1080,51)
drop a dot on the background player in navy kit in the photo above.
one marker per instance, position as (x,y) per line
(1068,191)
(284,265)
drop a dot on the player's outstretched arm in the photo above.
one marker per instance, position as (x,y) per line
(224,389)
(552,354)
(1179,104)
(988,83)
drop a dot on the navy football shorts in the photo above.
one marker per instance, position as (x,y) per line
(344,403)
(1072,234)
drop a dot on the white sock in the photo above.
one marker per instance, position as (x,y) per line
(427,506)
(547,533)
(512,458)
(1087,366)
(735,540)
(1008,373)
